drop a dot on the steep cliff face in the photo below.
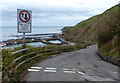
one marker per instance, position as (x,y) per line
(83,31)
(101,28)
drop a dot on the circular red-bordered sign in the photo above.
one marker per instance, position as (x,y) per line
(21,16)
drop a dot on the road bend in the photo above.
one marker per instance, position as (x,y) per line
(80,65)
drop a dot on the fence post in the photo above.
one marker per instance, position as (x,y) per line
(43,50)
(24,46)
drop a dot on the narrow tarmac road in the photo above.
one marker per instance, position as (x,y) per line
(80,65)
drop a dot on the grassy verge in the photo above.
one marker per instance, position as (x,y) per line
(111,53)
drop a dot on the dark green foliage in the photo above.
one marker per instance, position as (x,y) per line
(6,58)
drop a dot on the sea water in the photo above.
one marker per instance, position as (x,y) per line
(8,32)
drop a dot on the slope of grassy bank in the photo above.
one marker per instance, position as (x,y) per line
(83,31)
(102,28)
(108,35)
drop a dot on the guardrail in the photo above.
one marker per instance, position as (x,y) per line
(16,63)
(21,60)
(26,57)
(20,50)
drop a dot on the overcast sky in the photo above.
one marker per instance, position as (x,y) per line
(53,12)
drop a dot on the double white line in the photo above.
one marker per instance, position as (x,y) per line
(35,69)
(50,70)
(66,70)
(53,70)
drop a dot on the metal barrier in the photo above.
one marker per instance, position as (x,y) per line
(13,66)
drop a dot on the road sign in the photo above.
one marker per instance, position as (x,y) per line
(24,19)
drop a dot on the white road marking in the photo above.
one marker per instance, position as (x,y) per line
(36,67)
(49,70)
(53,55)
(69,72)
(112,72)
(115,72)
(33,70)
(90,46)
(81,73)
(67,69)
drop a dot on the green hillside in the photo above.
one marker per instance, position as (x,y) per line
(80,31)
(101,28)
(108,32)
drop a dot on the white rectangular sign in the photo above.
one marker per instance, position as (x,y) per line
(24,27)
(24,19)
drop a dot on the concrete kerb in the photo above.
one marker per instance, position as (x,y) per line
(113,60)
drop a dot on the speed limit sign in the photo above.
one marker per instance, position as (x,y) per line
(24,20)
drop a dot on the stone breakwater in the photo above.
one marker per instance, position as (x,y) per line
(44,38)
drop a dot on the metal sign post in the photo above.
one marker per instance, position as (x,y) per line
(24,22)
(23,38)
